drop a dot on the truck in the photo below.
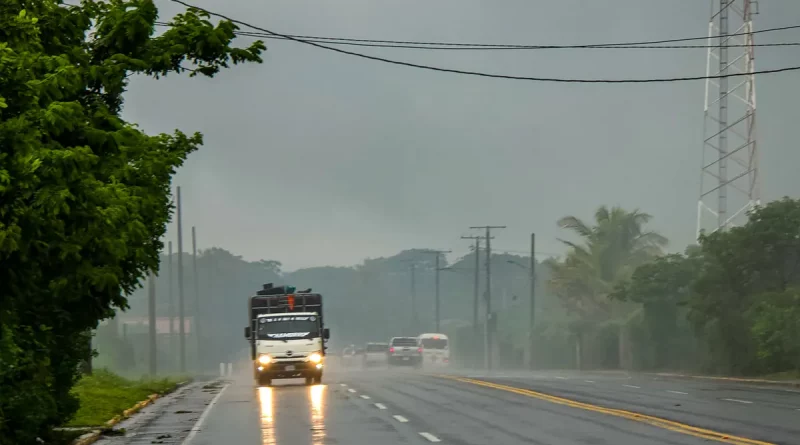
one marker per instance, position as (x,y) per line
(287,334)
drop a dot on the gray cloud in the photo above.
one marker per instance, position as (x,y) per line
(318,158)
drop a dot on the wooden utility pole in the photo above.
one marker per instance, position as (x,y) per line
(488,325)
(181,314)
(476,288)
(151,309)
(532,336)
(196,324)
(170,307)
(437,303)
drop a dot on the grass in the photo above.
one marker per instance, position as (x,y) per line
(786,375)
(104,395)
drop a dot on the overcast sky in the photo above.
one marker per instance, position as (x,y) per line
(316,158)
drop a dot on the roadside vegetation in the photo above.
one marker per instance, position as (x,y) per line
(729,305)
(84,195)
(105,395)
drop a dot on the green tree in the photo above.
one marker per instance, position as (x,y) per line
(608,253)
(748,272)
(663,288)
(84,195)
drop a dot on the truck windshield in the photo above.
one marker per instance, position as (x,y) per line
(288,327)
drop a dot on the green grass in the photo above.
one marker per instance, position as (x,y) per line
(786,375)
(105,395)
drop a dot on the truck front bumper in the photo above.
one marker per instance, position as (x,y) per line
(288,369)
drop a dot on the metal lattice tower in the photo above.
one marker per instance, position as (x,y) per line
(729,182)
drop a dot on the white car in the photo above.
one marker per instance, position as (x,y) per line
(348,356)
(435,349)
(375,355)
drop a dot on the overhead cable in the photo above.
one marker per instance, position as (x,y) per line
(484,74)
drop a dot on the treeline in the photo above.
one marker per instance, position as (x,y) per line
(370,301)
(729,305)
(84,195)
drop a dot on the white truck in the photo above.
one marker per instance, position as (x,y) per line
(286,334)
(435,349)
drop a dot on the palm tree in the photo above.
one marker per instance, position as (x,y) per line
(608,253)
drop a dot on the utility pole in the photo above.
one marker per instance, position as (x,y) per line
(437,303)
(414,318)
(170,307)
(532,339)
(476,289)
(488,337)
(181,314)
(196,318)
(151,307)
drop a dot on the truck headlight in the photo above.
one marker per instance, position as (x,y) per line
(264,359)
(315,357)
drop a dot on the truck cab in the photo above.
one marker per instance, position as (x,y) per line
(287,335)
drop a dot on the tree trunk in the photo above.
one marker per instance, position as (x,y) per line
(86,365)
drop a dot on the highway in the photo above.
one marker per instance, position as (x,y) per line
(358,407)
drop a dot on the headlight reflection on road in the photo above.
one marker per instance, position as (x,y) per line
(267,418)
(317,394)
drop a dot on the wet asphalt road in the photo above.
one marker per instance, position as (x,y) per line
(372,407)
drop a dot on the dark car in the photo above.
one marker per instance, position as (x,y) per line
(405,351)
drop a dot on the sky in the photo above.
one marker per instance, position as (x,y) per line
(316,158)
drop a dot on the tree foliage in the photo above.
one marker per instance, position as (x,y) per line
(748,277)
(84,195)
(737,293)
(608,253)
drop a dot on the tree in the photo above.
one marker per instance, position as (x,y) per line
(749,272)
(663,288)
(84,195)
(608,253)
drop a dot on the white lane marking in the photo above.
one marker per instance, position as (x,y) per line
(561,378)
(631,386)
(364,396)
(351,390)
(342,384)
(203,416)
(400,419)
(430,437)
(677,392)
(737,400)
(589,381)
(380,406)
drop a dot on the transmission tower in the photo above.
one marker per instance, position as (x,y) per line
(729,182)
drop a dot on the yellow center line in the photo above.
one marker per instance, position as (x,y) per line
(650,420)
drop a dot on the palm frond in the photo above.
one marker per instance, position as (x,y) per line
(576,225)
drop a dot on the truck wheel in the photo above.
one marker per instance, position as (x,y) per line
(309,380)
(318,378)
(264,381)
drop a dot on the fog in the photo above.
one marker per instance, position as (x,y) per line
(338,168)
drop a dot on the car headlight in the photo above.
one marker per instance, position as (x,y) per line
(264,359)
(315,357)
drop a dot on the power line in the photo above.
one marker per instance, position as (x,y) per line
(409,44)
(484,74)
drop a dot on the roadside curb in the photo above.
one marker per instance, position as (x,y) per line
(793,384)
(94,436)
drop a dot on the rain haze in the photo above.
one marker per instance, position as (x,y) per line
(317,158)
(328,276)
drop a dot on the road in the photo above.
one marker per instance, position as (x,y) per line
(412,407)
